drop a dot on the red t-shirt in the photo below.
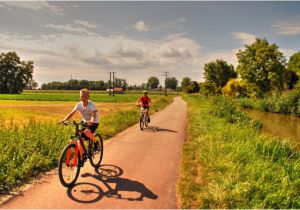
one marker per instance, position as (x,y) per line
(145,100)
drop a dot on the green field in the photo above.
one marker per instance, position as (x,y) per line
(228,164)
(97,96)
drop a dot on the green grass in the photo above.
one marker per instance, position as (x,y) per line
(287,103)
(35,147)
(74,96)
(228,164)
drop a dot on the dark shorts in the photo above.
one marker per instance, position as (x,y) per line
(92,127)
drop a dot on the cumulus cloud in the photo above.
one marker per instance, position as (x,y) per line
(246,38)
(290,28)
(141,26)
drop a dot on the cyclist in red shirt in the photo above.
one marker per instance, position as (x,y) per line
(145,102)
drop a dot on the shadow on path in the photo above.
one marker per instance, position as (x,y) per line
(109,175)
(157,129)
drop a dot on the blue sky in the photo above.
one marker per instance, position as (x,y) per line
(86,40)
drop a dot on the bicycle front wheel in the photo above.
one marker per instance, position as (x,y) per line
(142,122)
(68,165)
(96,154)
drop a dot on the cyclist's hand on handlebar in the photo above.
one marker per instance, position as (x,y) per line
(89,123)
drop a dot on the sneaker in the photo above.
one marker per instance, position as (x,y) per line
(96,146)
(80,163)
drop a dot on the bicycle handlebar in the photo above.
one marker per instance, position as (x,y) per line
(68,122)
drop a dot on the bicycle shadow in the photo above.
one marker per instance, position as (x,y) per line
(117,187)
(157,129)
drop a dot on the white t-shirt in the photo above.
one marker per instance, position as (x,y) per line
(86,112)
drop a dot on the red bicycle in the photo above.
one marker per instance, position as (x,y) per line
(70,160)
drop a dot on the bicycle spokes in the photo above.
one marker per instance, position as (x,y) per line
(68,167)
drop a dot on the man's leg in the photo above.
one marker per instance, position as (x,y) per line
(148,116)
(89,134)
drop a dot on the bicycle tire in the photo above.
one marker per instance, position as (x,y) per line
(99,154)
(142,122)
(146,121)
(62,161)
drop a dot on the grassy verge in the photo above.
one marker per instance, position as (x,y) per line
(226,163)
(35,147)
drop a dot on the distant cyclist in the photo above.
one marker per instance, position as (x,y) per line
(89,115)
(145,102)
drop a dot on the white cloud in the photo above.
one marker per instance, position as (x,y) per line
(141,26)
(288,52)
(287,27)
(174,24)
(32,5)
(246,38)
(56,57)
(80,27)
(85,24)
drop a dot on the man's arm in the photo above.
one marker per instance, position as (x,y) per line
(94,113)
(70,115)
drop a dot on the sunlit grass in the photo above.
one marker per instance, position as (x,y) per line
(228,164)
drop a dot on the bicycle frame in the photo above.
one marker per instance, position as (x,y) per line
(78,141)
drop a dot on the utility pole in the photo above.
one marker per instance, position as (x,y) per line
(113,82)
(109,83)
(166,83)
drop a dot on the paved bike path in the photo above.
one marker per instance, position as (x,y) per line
(139,170)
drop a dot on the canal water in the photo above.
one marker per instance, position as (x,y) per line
(280,125)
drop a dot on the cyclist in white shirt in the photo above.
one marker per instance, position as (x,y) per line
(89,115)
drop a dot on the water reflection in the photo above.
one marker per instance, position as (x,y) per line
(278,124)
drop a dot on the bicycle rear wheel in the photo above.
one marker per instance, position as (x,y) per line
(146,120)
(96,155)
(142,122)
(68,165)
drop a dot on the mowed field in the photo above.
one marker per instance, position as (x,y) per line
(12,111)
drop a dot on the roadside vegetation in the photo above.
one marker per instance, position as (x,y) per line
(34,147)
(227,163)
(287,103)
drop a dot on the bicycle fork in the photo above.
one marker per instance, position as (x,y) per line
(68,160)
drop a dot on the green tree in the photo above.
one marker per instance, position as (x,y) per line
(153,82)
(291,79)
(186,81)
(84,84)
(262,66)
(193,87)
(31,85)
(294,63)
(216,75)
(14,73)
(235,88)
(171,82)
(121,83)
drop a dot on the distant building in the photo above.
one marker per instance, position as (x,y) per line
(116,90)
